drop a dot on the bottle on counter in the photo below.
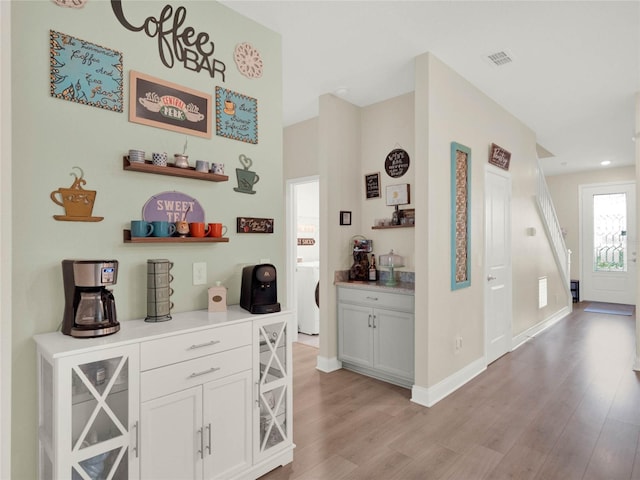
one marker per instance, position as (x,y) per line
(373,272)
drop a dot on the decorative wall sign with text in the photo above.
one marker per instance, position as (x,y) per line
(254,225)
(84,72)
(372,185)
(176,40)
(460,216)
(236,116)
(499,157)
(172,207)
(397,163)
(306,242)
(162,104)
(76,201)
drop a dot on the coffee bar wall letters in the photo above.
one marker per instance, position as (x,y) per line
(84,72)
(76,201)
(499,157)
(254,225)
(172,207)
(162,104)
(176,40)
(397,163)
(236,116)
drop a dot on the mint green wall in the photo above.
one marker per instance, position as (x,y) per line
(50,136)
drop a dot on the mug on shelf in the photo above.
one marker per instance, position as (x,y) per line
(217,230)
(163,229)
(202,166)
(217,168)
(159,159)
(140,228)
(198,229)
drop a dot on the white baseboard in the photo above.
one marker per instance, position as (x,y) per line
(428,397)
(528,334)
(328,365)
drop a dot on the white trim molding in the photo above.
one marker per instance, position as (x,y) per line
(428,397)
(528,334)
(328,365)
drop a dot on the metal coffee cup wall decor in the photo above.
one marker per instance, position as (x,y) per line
(246,178)
(77,202)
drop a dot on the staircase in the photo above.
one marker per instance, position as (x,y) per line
(554,232)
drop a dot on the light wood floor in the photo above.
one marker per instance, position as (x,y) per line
(565,405)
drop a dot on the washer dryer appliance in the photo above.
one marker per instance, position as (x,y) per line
(307,278)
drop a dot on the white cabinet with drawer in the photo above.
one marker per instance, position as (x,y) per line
(195,417)
(376,334)
(204,396)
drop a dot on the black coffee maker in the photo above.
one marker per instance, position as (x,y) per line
(90,309)
(259,292)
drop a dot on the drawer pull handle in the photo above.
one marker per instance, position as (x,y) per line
(200,345)
(135,448)
(204,372)
(201,451)
(375,299)
(209,446)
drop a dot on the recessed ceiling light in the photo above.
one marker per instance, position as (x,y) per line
(604,163)
(341,91)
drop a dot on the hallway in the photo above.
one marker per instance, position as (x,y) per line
(565,405)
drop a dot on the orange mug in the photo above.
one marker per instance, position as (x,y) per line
(198,229)
(217,230)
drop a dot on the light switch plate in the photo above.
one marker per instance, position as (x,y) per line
(199,273)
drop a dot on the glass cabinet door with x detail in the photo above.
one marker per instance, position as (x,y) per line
(95,423)
(273,402)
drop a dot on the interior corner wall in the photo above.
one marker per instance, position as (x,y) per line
(565,192)
(458,112)
(51,136)
(339,167)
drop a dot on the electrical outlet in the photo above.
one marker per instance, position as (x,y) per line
(199,273)
(458,343)
(265,260)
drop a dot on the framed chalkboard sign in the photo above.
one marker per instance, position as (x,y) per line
(163,104)
(372,185)
(397,163)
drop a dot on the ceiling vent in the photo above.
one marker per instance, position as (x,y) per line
(500,58)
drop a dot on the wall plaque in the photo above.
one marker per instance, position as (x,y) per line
(254,225)
(499,157)
(372,185)
(397,163)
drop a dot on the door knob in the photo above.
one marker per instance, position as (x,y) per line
(490,277)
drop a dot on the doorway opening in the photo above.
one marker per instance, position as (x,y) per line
(303,257)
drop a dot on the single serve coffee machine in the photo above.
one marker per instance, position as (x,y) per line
(259,292)
(90,309)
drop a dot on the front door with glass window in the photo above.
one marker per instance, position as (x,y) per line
(608,243)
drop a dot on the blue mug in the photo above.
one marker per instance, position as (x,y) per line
(163,229)
(140,228)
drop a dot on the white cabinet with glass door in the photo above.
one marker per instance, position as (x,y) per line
(88,414)
(272,377)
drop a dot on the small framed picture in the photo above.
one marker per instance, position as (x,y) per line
(345,217)
(398,194)
(372,185)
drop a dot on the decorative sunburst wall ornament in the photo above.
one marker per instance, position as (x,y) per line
(248,60)
(70,3)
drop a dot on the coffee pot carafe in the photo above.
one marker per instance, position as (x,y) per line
(90,308)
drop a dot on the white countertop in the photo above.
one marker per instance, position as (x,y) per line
(133,331)
(403,288)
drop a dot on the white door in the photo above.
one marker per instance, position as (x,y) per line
(608,246)
(497,312)
(171,437)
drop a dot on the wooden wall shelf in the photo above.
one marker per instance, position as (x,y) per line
(127,238)
(171,170)
(392,226)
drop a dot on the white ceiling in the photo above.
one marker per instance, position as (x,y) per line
(574,75)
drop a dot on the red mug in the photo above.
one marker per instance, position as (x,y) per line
(198,229)
(217,230)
